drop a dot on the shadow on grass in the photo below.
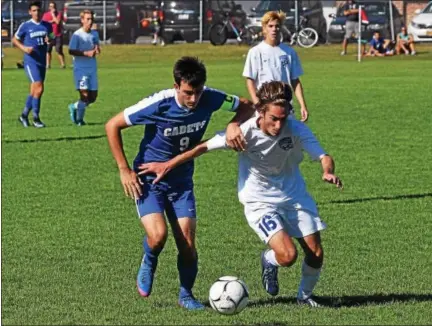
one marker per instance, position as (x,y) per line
(52,139)
(360,200)
(350,300)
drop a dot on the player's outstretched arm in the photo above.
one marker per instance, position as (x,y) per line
(160,169)
(129,179)
(234,135)
(328,167)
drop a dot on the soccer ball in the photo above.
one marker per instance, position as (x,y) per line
(228,295)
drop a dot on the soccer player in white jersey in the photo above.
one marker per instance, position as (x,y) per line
(84,46)
(271,60)
(271,188)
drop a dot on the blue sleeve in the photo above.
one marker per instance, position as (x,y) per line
(20,33)
(145,112)
(215,100)
(96,37)
(295,67)
(372,42)
(74,42)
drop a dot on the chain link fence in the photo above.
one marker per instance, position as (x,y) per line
(126,22)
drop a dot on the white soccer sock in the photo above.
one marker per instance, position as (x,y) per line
(270,256)
(310,277)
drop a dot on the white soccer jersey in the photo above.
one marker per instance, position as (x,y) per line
(269,168)
(265,63)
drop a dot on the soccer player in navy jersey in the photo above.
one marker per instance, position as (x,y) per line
(32,37)
(176,120)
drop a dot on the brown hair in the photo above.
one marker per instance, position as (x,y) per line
(274,92)
(86,11)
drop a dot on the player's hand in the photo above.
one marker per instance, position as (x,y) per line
(304,114)
(160,169)
(334,179)
(90,53)
(28,49)
(235,138)
(131,183)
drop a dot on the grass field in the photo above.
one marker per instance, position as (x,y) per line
(71,242)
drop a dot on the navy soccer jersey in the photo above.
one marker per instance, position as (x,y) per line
(33,35)
(172,129)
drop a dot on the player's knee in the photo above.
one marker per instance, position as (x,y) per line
(287,257)
(315,257)
(157,240)
(38,89)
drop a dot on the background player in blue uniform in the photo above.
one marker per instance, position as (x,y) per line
(176,120)
(32,37)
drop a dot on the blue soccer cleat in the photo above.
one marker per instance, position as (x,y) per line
(190,303)
(72,113)
(269,275)
(145,278)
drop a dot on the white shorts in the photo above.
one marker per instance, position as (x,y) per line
(268,220)
(86,79)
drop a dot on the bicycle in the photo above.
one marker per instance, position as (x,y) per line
(218,32)
(304,36)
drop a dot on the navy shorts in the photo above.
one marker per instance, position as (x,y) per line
(35,73)
(175,200)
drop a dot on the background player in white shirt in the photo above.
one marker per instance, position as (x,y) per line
(84,46)
(271,60)
(271,188)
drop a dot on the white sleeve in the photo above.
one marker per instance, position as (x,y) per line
(217,142)
(309,142)
(251,68)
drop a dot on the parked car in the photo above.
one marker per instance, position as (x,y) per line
(181,20)
(311,9)
(378,14)
(123,18)
(421,25)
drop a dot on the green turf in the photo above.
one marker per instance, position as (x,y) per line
(71,242)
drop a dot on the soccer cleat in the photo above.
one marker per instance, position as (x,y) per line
(308,302)
(81,123)
(269,276)
(145,278)
(24,121)
(72,113)
(190,303)
(37,123)
(343,53)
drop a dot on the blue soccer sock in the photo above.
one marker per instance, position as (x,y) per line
(81,107)
(36,107)
(151,255)
(28,106)
(188,273)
